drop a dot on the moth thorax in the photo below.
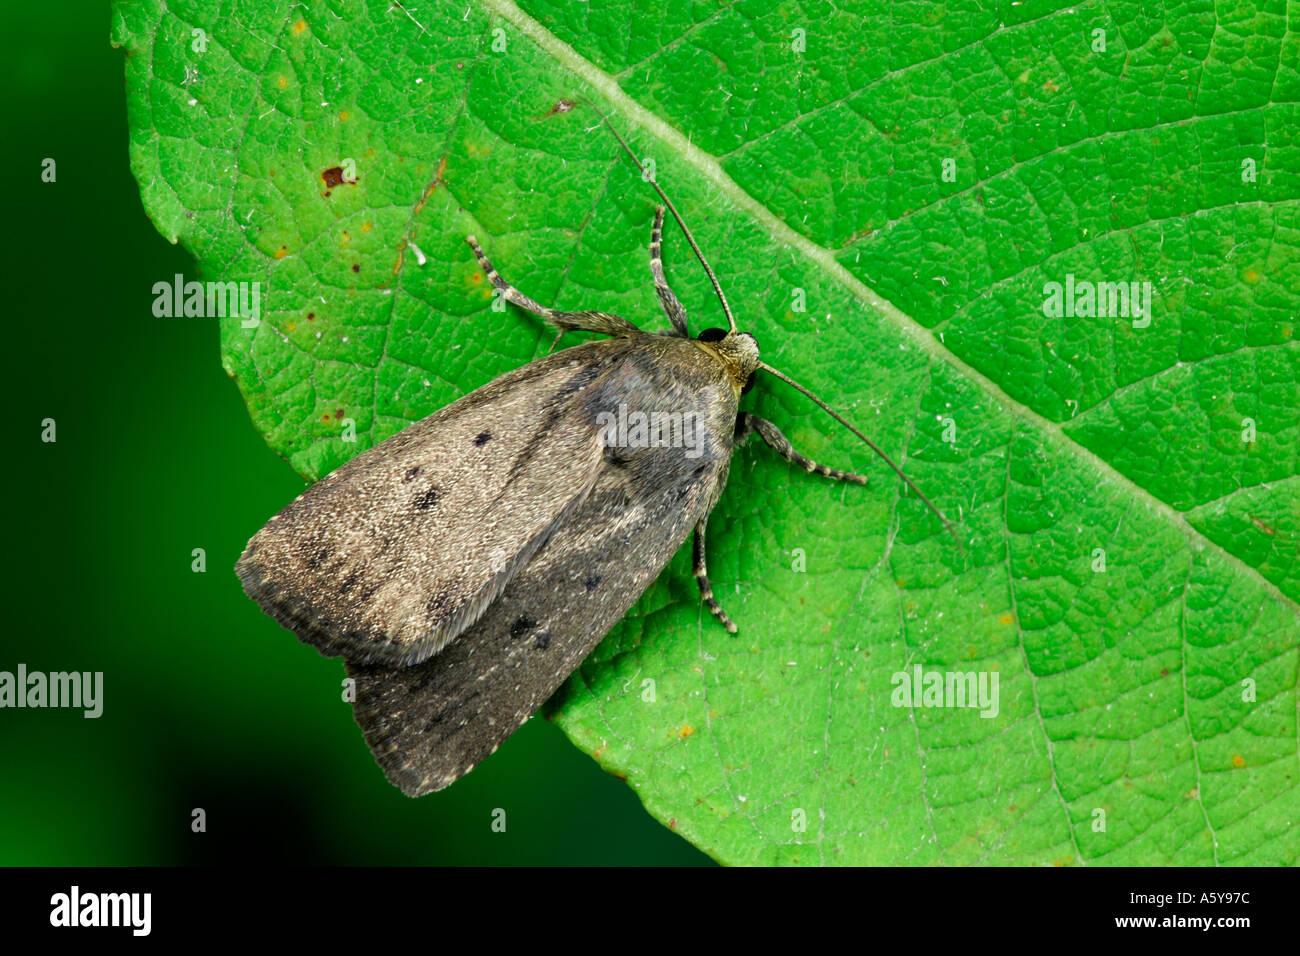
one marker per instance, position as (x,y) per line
(737,351)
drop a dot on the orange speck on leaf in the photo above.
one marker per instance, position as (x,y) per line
(1006,619)
(344,115)
(366,227)
(282,82)
(281,252)
(300,26)
(1262,526)
(686,731)
(291,326)
(1238,760)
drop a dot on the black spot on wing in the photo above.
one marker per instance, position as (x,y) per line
(523,624)
(592,582)
(482,438)
(411,473)
(319,558)
(426,499)
(428,726)
(543,640)
(349,582)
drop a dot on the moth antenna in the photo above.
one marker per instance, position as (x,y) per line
(717,287)
(870,444)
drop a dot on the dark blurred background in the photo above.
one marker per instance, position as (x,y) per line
(207,703)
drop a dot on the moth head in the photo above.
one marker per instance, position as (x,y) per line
(738,351)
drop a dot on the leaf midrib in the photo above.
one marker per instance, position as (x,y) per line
(709,167)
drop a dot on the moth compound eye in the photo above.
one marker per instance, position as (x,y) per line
(712,335)
(749,383)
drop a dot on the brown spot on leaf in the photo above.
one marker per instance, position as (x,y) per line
(1262,526)
(333,176)
(338,413)
(356,267)
(562,106)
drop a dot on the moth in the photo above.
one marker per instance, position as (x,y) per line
(465,567)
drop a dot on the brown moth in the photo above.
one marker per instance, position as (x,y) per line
(465,567)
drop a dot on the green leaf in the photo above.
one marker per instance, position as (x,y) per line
(1126,490)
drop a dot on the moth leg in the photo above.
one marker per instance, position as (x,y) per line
(667,298)
(747,423)
(586,321)
(702,579)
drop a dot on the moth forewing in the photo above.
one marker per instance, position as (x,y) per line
(399,550)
